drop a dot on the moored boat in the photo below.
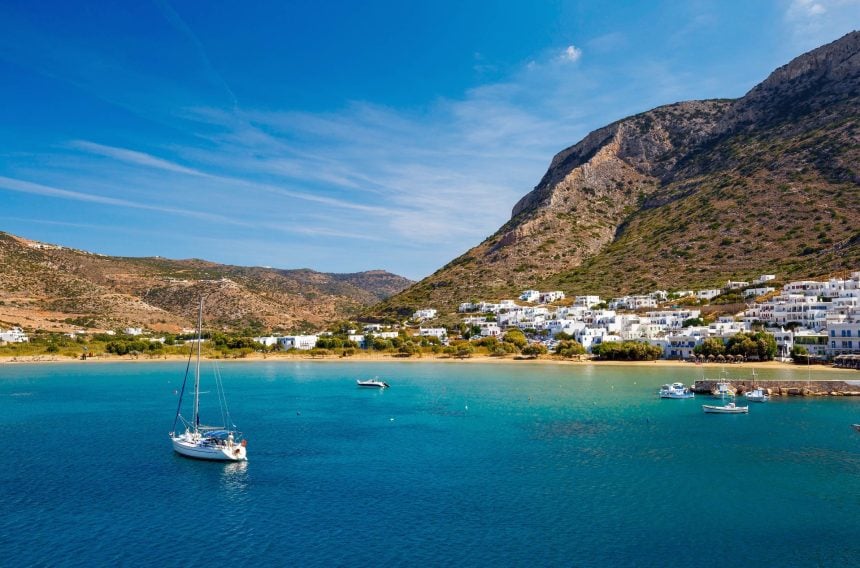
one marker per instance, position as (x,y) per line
(729,408)
(856,427)
(675,390)
(374,383)
(215,443)
(757,395)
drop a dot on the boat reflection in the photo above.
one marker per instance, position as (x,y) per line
(234,479)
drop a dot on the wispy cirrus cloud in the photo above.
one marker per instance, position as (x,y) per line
(134,157)
(23,186)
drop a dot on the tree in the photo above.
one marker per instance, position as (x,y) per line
(799,354)
(534,350)
(516,337)
(692,322)
(627,351)
(464,350)
(759,345)
(407,349)
(569,348)
(710,346)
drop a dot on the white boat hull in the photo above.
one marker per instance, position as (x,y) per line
(725,409)
(676,395)
(372,384)
(675,390)
(757,395)
(202,451)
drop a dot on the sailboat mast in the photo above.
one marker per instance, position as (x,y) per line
(196,413)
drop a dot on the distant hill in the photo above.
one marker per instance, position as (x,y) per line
(45,286)
(685,195)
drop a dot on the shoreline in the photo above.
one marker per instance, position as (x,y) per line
(426,358)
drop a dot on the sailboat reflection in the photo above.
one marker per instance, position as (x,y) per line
(234,478)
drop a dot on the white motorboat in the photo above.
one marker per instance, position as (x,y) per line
(675,390)
(856,427)
(757,395)
(375,383)
(729,408)
(217,443)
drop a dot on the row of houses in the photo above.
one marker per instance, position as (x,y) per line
(371,331)
(823,317)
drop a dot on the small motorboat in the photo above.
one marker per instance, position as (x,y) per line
(757,395)
(375,383)
(729,408)
(856,427)
(675,390)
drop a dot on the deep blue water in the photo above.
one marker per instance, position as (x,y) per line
(456,464)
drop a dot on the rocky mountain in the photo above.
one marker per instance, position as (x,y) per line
(684,195)
(45,286)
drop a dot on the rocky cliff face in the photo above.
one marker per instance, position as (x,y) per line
(686,194)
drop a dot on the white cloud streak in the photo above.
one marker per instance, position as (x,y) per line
(571,54)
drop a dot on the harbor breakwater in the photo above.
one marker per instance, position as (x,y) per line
(784,388)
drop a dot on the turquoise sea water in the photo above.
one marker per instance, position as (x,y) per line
(456,464)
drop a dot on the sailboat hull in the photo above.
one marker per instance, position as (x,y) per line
(201,451)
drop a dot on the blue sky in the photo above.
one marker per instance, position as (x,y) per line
(341,136)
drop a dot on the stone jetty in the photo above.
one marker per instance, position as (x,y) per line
(784,388)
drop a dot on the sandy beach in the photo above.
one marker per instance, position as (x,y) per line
(424,358)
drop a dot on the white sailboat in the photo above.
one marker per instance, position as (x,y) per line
(219,443)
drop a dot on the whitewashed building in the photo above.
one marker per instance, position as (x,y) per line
(708,294)
(586,301)
(752,292)
(303,342)
(843,338)
(549,297)
(267,341)
(13,335)
(530,296)
(420,315)
(438,332)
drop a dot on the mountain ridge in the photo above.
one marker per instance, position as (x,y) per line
(52,287)
(690,193)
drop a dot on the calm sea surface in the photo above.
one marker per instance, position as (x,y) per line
(456,464)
